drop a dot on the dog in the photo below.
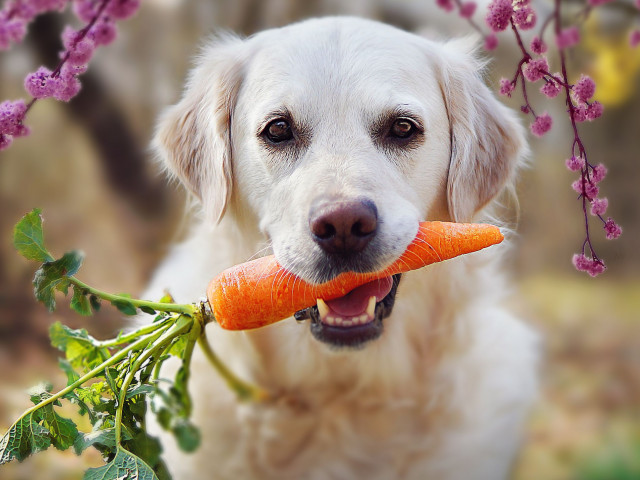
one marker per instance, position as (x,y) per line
(325,143)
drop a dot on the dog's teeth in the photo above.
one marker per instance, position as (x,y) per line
(371,307)
(323,308)
(347,323)
(339,320)
(330,320)
(364,318)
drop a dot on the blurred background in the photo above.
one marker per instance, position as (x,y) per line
(86,164)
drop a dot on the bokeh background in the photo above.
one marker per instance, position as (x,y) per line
(86,164)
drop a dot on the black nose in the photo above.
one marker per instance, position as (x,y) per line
(343,226)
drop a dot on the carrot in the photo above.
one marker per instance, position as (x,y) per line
(261,292)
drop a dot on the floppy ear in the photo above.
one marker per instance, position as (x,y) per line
(487,139)
(193,136)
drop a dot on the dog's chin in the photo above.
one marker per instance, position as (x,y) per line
(342,324)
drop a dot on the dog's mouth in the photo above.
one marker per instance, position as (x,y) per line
(355,319)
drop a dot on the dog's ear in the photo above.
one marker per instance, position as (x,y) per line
(193,137)
(487,139)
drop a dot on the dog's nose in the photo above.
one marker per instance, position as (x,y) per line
(344,226)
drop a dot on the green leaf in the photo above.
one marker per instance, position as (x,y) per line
(95,302)
(125,307)
(92,394)
(179,345)
(24,437)
(111,375)
(68,370)
(142,389)
(53,275)
(79,347)
(125,466)
(187,435)
(80,301)
(28,237)
(40,392)
(146,447)
(104,437)
(63,431)
(148,310)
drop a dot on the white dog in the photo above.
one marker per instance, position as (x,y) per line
(326,142)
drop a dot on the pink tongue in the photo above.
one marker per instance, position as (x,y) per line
(355,302)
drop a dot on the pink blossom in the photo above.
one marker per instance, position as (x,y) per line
(103,32)
(499,15)
(591,190)
(535,69)
(525,18)
(538,46)
(598,173)
(69,69)
(68,87)
(11,30)
(577,186)
(506,87)
(467,9)
(638,4)
(594,111)
(69,37)
(490,42)
(580,113)
(612,228)
(584,89)
(551,89)
(599,206)
(81,52)
(568,37)
(40,84)
(541,125)
(86,10)
(121,9)
(634,38)
(48,5)
(589,265)
(11,117)
(575,164)
(446,5)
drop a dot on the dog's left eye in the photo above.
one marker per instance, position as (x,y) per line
(402,128)
(278,131)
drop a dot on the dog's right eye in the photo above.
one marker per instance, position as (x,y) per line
(278,131)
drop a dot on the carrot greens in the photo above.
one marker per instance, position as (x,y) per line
(113,382)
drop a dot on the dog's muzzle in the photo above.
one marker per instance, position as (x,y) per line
(355,319)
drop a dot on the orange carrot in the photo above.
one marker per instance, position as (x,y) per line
(261,292)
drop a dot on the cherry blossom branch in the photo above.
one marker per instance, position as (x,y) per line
(533,67)
(99,17)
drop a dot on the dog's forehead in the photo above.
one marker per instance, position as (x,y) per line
(340,60)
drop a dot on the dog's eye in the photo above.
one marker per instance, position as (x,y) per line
(278,131)
(402,128)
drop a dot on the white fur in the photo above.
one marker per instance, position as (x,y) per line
(444,392)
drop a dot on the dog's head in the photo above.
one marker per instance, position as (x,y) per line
(339,136)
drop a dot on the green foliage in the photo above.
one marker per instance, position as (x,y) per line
(28,238)
(25,437)
(124,466)
(54,275)
(109,381)
(613,462)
